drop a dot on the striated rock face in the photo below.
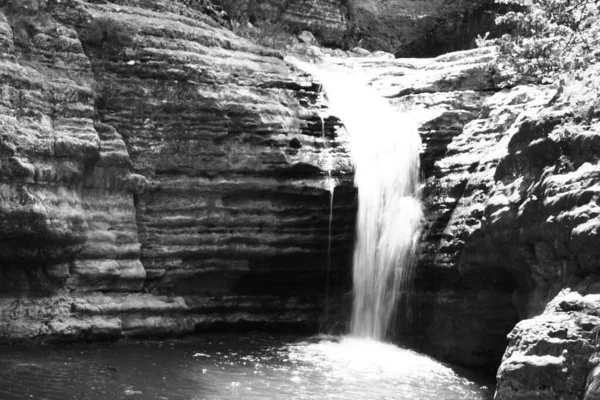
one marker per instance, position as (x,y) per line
(326,19)
(48,144)
(166,183)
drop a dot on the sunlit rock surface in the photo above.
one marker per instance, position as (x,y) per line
(172,184)
(543,216)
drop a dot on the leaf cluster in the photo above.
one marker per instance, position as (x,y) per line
(549,36)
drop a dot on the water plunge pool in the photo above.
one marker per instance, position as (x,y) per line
(254,366)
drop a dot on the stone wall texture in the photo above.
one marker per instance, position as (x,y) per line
(166,183)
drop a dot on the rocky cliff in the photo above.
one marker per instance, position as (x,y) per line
(160,175)
(422,28)
(544,217)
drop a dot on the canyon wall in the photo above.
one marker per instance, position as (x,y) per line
(161,175)
(421,28)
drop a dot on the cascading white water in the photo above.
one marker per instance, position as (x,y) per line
(385,147)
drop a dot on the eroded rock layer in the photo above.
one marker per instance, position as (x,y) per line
(327,19)
(544,217)
(163,178)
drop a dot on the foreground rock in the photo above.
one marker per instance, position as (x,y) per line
(544,217)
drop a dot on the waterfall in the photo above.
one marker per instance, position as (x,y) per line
(385,147)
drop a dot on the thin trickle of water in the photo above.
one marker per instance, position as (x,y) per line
(385,147)
(330,184)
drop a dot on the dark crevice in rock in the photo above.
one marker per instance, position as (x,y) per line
(411,91)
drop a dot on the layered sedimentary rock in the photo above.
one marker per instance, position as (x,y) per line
(173,180)
(422,28)
(48,145)
(326,19)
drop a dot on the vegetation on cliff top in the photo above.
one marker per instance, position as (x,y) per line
(554,41)
(549,36)
(259,21)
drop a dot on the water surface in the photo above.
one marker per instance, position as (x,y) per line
(258,366)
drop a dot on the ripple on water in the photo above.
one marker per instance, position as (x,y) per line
(260,367)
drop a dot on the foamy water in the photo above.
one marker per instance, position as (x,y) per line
(231,367)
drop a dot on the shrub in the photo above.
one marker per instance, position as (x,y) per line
(549,36)
(24,29)
(259,21)
(108,32)
(25,17)
(253,11)
(23,7)
(269,34)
